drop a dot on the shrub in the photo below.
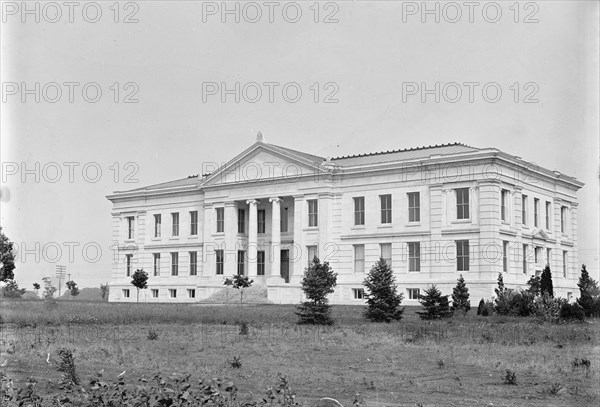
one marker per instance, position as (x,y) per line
(572,312)
(152,335)
(243,328)
(383,301)
(67,366)
(510,377)
(547,308)
(318,282)
(12,290)
(460,296)
(436,305)
(235,362)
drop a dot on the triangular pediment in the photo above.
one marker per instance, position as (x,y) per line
(539,234)
(265,162)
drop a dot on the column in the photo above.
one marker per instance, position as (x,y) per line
(252,237)
(299,257)
(275,276)
(230,238)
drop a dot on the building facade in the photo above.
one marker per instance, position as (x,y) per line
(432,213)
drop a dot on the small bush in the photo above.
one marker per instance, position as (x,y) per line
(235,362)
(67,366)
(581,362)
(510,377)
(243,328)
(152,335)
(555,389)
(572,312)
(441,364)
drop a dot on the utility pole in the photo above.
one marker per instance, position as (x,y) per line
(60,273)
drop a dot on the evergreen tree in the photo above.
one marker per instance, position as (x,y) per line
(546,282)
(318,282)
(460,296)
(139,281)
(481,307)
(436,305)
(383,301)
(588,292)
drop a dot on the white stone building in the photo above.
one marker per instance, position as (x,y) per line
(432,212)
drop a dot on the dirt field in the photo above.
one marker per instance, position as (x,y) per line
(461,361)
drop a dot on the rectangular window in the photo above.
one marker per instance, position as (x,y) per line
(175,219)
(312,253)
(260,262)
(359,258)
(386,252)
(565,258)
(126,293)
(414,207)
(219,261)
(157,225)
(536,211)
(524,259)
(414,256)
(538,255)
(359,293)
(174,264)
(193,223)
(548,257)
(130,226)
(241,221)
(156,264)
(563,219)
(128,261)
(193,263)
(173,292)
(503,204)
(505,256)
(548,215)
(359,210)
(241,262)
(313,213)
(462,203)
(524,209)
(386,208)
(261,218)
(220,220)
(413,293)
(154,292)
(462,255)
(284,220)
(191,293)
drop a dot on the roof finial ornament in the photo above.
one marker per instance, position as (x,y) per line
(259,137)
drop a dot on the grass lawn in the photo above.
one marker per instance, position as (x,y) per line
(460,361)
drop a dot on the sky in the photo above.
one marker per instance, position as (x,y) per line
(145,92)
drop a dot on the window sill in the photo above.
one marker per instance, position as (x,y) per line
(311,229)
(384,225)
(413,224)
(358,227)
(460,221)
(195,237)
(174,238)
(217,234)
